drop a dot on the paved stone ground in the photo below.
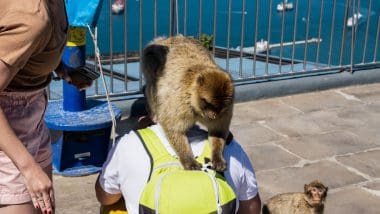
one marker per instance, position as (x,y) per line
(333,136)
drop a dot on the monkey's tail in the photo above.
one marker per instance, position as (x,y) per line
(153,61)
(265,210)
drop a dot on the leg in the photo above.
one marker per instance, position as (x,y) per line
(17,198)
(251,206)
(180,144)
(27,207)
(217,148)
(218,131)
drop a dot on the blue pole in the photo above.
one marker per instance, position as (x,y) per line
(74,55)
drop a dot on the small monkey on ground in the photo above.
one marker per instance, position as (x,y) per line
(184,86)
(311,201)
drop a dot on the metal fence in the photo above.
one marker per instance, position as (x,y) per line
(254,40)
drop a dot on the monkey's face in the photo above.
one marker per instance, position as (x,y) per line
(212,108)
(317,192)
(212,94)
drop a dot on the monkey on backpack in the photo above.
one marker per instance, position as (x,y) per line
(184,85)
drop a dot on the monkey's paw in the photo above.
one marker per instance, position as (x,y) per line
(219,164)
(192,165)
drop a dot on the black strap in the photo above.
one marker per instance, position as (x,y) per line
(147,151)
(67,18)
(230,137)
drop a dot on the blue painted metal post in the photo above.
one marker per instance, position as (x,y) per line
(85,124)
(74,55)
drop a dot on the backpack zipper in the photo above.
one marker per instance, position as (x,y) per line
(158,190)
(216,191)
(166,165)
(161,178)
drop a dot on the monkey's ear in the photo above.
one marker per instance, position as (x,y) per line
(200,79)
(306,187)
(154,57)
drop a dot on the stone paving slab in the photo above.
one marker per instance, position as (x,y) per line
(245,114)
(366,121)
(373,105)
(352,200)
(324,145)
(292,179)
(356,120)
(273,108)
(367,162)
(365,113)
(329,135)
(270,156)
(332,120)
(75,195)
(375,186)
(367,93)
(369,133)
(294,126)
(318,100)
(260,110)
(254,134)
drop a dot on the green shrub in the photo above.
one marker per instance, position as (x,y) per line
(206,40)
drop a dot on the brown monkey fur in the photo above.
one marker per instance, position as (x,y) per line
(311,201)
(184,86)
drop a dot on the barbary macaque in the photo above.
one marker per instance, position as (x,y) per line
(311,201)
(184,86)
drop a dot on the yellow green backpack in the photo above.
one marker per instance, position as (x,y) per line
(172,190)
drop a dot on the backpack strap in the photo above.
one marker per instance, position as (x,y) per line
(205,156)
(158,154)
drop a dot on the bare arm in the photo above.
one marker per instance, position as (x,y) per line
(9,143)
(36,179)
(251,206)
(103,197)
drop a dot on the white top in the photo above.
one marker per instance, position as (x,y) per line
(128,165)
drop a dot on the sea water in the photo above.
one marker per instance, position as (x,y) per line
(229,35)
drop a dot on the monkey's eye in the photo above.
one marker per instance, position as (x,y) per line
(203,103)
(207,105)
(203,100)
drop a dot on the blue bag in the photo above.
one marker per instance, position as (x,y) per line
(83,12)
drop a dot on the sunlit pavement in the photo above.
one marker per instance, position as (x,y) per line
(331,135)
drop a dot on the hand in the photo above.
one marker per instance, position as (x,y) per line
(40,188)
(72,77)
(77,80)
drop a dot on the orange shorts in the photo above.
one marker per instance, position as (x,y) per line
(25,113)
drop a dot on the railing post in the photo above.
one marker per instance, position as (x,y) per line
(173,15)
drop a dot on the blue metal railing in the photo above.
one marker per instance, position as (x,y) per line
(253,40)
